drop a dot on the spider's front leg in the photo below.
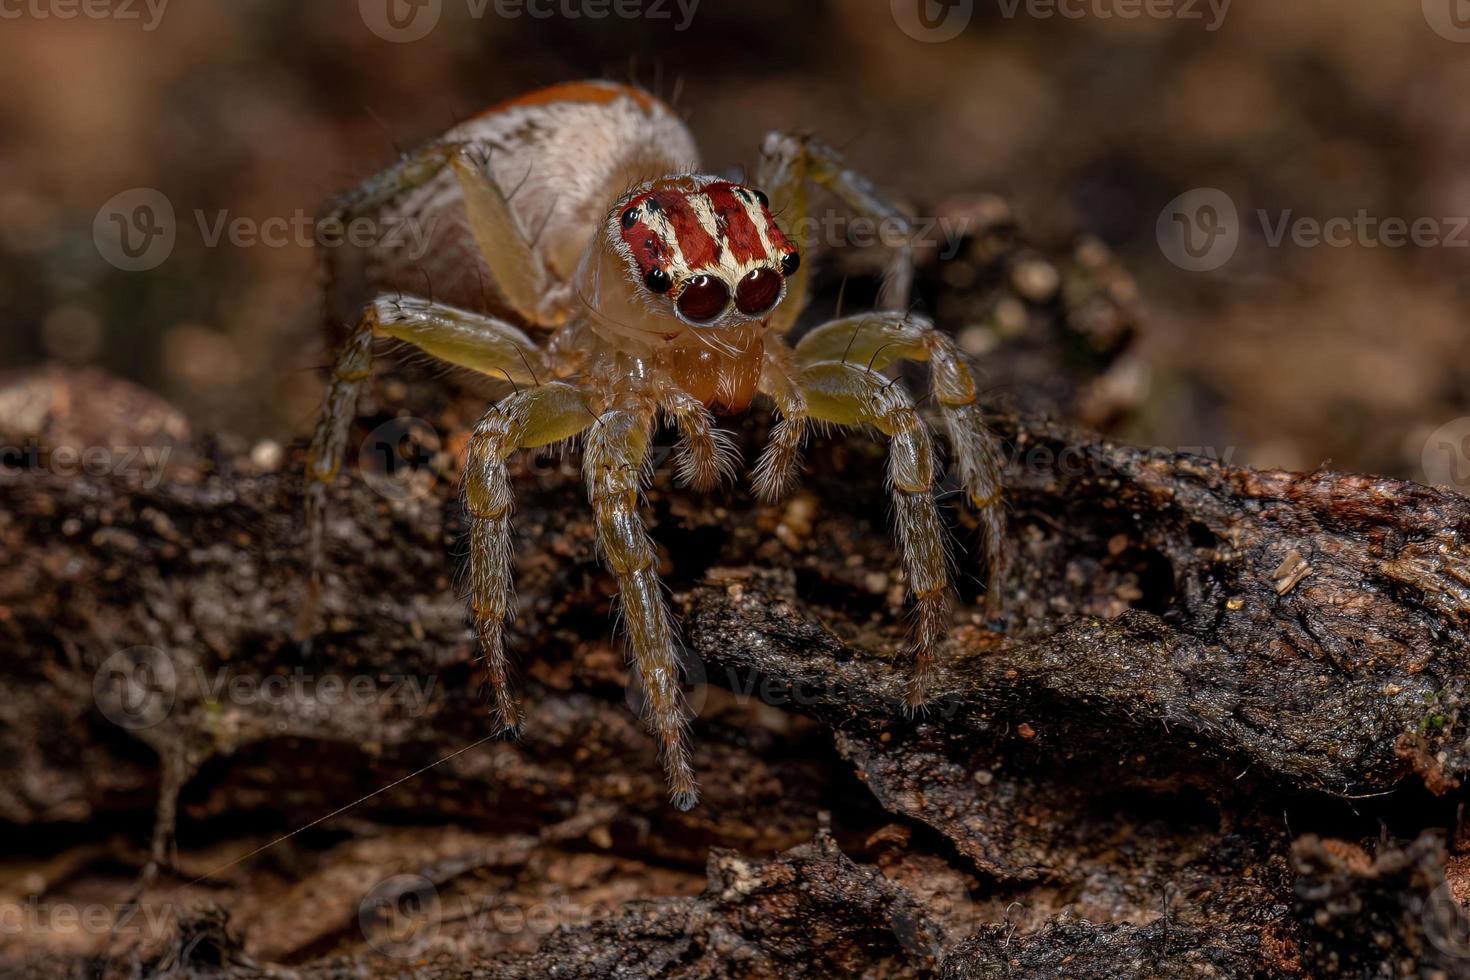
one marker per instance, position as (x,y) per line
(877,340)
(528,419)
(470,340)
(852,395)
(613,463)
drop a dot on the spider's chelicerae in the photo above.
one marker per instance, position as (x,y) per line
(669,300)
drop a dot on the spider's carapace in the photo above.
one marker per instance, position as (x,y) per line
(581,210)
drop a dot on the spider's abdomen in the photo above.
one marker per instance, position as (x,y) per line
(560,155)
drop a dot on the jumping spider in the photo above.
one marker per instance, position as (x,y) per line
(673,303)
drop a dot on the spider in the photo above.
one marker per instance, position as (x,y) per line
(580,209)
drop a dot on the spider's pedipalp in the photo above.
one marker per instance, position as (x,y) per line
(707,455)
(775,471)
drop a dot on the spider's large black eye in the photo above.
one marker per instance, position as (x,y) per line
(657,280)
(630,217)
(758,292)
(703,298)
(761,196)
(790,262)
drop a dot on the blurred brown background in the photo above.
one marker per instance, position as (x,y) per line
(263,108)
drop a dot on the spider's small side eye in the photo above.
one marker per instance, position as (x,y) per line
(657,280)
(761,196)
(790,262)
(630,217)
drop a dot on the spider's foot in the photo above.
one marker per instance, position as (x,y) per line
(916,692)
(685,799)
(509,719)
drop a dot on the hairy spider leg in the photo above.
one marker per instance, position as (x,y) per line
(877,340)
(790,163)
(851,395)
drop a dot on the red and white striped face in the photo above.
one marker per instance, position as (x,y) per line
(711,247)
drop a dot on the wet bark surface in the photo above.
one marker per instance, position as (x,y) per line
(1219,729)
